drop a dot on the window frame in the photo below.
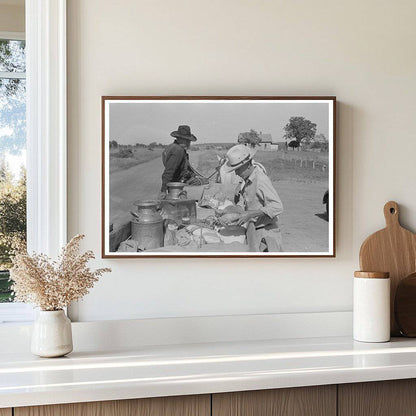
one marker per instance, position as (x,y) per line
(12,35)
(46,139)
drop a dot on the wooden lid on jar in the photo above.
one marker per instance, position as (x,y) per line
(372,275)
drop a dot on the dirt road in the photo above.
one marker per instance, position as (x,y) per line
(138,182)
(142,181)
(302,223)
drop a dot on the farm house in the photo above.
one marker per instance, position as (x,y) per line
(267,143)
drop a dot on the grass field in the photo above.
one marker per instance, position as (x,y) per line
(206,161)
(279,165)
(140,155)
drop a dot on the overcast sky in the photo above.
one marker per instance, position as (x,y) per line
(132,123)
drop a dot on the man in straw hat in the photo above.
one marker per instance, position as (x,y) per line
(176,160)
(257,195)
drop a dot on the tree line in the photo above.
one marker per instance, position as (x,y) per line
(115,145)
(298,130)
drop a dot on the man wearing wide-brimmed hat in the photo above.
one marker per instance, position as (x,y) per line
(176,159)
(256,194)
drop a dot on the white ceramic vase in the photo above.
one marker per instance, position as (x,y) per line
(52,334)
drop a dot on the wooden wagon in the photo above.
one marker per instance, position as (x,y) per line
(120,231)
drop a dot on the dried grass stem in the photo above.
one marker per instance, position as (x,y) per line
(53,285)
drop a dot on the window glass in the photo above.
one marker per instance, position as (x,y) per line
(12,55)
(12,155)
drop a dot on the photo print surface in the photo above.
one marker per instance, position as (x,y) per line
(218,177)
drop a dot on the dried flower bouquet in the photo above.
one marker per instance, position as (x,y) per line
(53,285)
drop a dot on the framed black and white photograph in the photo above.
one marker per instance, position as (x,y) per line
(218,176)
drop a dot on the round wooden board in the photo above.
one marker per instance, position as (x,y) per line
(405,306)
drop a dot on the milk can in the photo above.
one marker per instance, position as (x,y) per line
(147,225)
(176,191)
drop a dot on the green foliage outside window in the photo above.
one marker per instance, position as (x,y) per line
(12,223)
(12,144)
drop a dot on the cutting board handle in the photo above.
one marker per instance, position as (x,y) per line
(391,213)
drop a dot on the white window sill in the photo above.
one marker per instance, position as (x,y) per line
(16,313)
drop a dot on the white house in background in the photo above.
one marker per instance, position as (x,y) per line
(267,142)
(320,138)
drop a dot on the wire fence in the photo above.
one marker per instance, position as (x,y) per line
(309,164)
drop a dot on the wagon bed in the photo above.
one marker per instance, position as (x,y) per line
(121,231)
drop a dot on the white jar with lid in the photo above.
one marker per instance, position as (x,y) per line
(371,307)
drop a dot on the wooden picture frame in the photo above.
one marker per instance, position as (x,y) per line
(137,137)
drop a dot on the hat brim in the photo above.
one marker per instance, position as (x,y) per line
(176,134)
(229,168)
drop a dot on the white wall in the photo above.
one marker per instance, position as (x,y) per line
(361,51)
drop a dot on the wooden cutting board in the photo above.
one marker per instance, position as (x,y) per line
(393,250)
